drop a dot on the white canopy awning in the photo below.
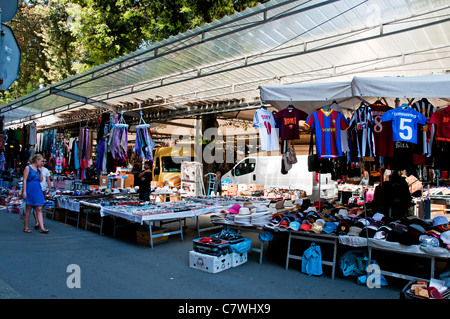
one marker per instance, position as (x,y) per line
(308,96)
(311,96)
(428,86)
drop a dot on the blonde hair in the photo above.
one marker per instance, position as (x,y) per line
(35,158)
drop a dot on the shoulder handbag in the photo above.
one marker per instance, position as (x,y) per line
(313,160)
(312,261)
(292,157)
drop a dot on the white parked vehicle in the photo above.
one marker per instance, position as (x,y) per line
(267,170)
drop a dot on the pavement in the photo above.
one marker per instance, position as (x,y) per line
(73,263)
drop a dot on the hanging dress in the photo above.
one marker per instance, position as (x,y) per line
(35,196)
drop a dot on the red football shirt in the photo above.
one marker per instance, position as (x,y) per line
(289,122)
(382,132)
(441,119)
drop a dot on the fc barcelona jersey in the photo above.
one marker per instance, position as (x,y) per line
(328,126)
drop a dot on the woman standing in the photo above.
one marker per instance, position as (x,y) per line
(32,192)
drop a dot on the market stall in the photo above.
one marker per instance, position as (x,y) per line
(397,172)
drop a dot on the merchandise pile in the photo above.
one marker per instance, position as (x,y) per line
(219,251)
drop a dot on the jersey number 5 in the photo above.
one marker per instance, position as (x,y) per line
(405,129)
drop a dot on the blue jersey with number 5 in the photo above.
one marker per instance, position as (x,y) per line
(404,123)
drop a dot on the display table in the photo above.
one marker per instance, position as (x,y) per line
(422,251)
(157,214)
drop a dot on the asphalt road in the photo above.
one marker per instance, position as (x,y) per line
(71,263)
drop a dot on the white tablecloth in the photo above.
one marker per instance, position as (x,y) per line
(394,246)
(127,214)
(68,203)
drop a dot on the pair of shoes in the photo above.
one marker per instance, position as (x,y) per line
(44,231)
(27,231)
(36,226)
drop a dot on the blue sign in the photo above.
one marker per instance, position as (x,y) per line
(9,58)
(9,9)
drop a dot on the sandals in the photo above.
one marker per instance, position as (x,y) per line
(27,231)
(44,231)
(36,226)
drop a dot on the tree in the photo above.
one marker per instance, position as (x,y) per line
(60,38)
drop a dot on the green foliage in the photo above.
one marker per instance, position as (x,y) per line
(60,38)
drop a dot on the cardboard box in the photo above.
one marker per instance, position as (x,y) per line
(242,187)
(232,193)
(232,187)
(238,259)
(143,235)
(209,263)
(103,180)
(129,181)
(156,184)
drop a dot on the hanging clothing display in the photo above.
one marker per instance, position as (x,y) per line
(144,143)
(32,139)
(84,156)
(440,122)
(382,132)
(425,108)
(362,123)
(118,142)
(264,121)
(441,119)
(327,124)
(404,123)
(289,119)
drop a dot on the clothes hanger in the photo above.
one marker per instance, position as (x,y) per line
(378,102)
(404,106)
(326,108)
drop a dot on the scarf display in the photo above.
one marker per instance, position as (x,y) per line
(144,143)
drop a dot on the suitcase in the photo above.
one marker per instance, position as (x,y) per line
(212,246)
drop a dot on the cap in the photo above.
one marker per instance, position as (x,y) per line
(445,237)
(284,223)
(425,240)
(354,231)
(439,220)
(317,227)
(329,227)
(417,227)
(411,237)
(343,228)
(369,231)
(294,225)
(305,227)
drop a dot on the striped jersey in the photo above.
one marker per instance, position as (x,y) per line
(362,123)
(427,109)
(328,126)
(382,132)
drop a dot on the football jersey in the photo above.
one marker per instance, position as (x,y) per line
(268,134)
(423,136)
(289,122)
(404,123)
(382,132)
(362,123)
(441,119)
(328,126)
